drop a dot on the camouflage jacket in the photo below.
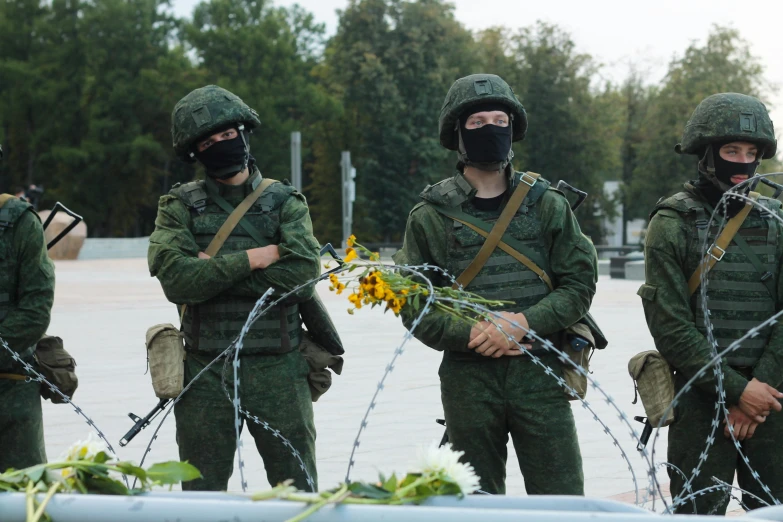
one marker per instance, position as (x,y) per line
(569,253)
(26,282)
(672,254)
(186,279)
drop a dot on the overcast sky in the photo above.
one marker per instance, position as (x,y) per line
(618,32)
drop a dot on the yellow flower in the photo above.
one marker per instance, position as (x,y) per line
(351,240)
(350,255)
(340,288)
(375,256)
(404,291)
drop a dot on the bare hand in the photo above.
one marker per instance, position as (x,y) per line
(202,255)
(489,341)
(744,427)
(759,399)
(262,257)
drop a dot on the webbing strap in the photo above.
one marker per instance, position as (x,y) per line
(498,230)
(766,275)
(230,224)
(12,377)
(718,248)
(226,206)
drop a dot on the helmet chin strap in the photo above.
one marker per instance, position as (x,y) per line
(707,167)
(487,167)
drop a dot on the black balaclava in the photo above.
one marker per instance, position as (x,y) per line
(715,178)
(488,147)
(226,158)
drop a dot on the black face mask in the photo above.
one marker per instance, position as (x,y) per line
(487,144)
(224,159)
(725,169)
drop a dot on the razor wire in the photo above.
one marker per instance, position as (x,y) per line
(34,376)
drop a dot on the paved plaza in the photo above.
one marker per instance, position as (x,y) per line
(104,307)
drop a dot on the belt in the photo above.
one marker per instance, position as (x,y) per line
(13,377)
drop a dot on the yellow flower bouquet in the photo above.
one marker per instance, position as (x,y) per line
(377,284)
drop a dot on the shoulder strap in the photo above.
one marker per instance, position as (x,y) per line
(230,224)
(718,248)
(226,206)
(495,235)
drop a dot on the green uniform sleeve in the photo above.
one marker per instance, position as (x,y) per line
(574,266)
(769,369)
(29,318)
(299,255)
(666,302)
(437,329)
(173,259)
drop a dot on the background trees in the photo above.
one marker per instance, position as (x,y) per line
(88,87)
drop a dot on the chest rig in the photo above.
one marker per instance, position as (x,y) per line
(11,209)
(210,326)
(741,292)
(502,277)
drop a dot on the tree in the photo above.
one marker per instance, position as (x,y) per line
(723,64)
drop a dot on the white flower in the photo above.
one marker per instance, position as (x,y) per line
(86,450)
(443,459)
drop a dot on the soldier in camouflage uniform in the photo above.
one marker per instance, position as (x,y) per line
(273,246)
(488,390)
(730,133)
(26,297)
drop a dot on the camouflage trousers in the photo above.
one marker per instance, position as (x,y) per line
(21,425)
(485,399)
(273,388)
(694,414)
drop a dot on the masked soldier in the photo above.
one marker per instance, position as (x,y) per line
(272,246)
(26,297)
(730,133)
(488,387)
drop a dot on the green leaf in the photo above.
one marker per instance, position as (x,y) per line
(409,479)
(105,486)
(101,458)
(128,468)
(172,472)
(34,473)
(362,490)
(390,484)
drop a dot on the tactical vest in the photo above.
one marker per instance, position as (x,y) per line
(10,212)
(211,326)
(737,297)
(502,277)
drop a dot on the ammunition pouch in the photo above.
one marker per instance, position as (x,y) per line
(166,356)
(58,367)
(319,360)
(654,382)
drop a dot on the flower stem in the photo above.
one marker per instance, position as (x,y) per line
(40,511)
(30,501)
(321,503)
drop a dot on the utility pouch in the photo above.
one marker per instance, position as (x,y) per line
(578,345)
(654,383)
(320,361)
(59,368)
(166,356)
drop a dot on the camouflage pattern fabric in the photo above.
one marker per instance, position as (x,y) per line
(26,298)
(672,253)
(478,89)
(274,388)
(728,117)
(694,415)
(227,280)
(205,111)
(484,399)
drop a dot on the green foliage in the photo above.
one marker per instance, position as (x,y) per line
(88,88)
(723,64)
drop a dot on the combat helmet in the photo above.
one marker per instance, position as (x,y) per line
(205,111)
(728,117)
(478,89)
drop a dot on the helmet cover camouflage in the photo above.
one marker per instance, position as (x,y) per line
(728,117)
(203,112)
(478,89)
